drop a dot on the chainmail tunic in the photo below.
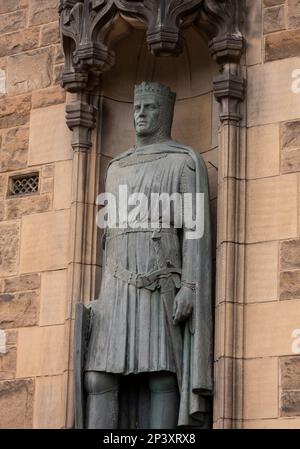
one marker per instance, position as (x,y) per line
(129,332)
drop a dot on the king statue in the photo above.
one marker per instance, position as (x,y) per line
(143,350)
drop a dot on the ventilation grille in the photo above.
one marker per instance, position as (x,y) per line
(24,184)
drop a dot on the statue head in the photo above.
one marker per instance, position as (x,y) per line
(153,112)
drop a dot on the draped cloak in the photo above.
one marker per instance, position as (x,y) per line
(129,333)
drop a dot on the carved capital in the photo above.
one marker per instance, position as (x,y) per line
(75,81)
(229,90)
(220,21)
(80,118)
(227,48)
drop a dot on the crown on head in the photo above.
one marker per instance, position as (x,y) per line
(155,89)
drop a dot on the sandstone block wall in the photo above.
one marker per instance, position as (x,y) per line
(34,325)
(272,271)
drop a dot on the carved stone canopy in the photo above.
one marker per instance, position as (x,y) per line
(90,29)
(86,27)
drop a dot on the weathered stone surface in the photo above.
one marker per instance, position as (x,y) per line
(2,185)
(265,82)
(19,41)
(62,185)
(47,185)
(48,97)
(15,137)
(285,44)
(261,272)
(59,55)
(268,328)
(29,71)
(17,207)
(53,308)
(273,2)
(58,71)
(50,395)
(42,351)
(261,391)
(2,210)
(290,161)
(21,283)
(48,171)
(13,21)
(54,143)
(8,360)
(45,242)
(13,154)
(15,111)
(223,347)
(290,255)
(9,248)
(19,309)
(290,135)
(290,403)
(275,423)
(263,152)
(16,404)
(272,208)
(293,13)
(253,16)
(50,34)
(290,373)
(42,11)
(290,285)
(2,82)
(274,19)
(8,6)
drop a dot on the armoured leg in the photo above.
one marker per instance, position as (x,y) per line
(102,401)
(164,405)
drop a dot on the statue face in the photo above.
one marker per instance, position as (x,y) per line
(147,115)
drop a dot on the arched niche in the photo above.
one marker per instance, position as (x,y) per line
(91,30)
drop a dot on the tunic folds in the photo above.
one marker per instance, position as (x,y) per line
(129,333)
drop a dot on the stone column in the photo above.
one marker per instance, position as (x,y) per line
(81,119)
(229,92)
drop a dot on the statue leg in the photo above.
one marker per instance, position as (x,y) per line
(102,410)
(164,401)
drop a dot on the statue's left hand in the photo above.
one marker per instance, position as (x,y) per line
(183,304)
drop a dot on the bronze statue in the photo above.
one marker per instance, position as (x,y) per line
(147,359)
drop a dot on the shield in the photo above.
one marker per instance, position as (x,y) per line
(82,322)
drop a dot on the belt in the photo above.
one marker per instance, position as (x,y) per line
(147,280)
(116,232)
